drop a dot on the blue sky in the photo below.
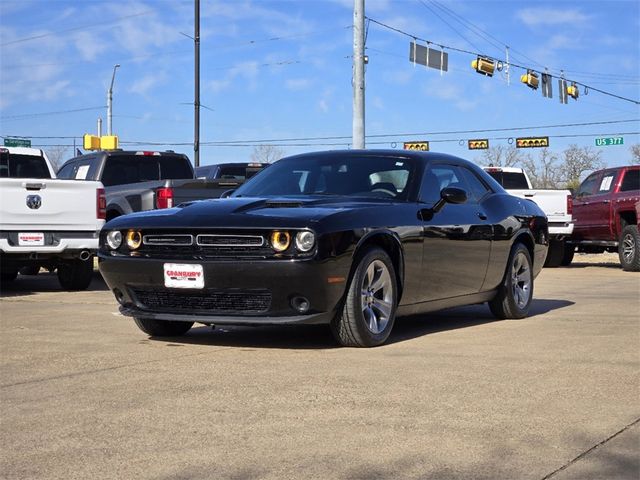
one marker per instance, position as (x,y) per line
(275,70)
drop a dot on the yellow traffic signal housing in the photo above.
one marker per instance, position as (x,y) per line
(530,79)
(90,142)
(422,146)
(109,142)
(482,144)
(484,65)
(532,142)
(572,91)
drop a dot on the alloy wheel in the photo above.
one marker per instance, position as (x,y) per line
(521,280)
(377,296)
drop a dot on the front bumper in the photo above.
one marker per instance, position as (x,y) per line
(239,292)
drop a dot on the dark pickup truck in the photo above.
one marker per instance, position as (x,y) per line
(606,209)
(143,180)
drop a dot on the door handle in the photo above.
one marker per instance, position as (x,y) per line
(482,216)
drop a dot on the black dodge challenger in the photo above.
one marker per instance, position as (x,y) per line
(345,238)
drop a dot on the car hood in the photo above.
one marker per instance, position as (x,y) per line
(250,212)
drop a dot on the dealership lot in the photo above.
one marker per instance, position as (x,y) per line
(454,394)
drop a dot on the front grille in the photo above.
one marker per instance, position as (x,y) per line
(166,240)
(205,301)
(230,240)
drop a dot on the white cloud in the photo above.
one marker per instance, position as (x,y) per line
(296,84)
(144,85)
(535,17)
(247,70)
(323,105)
(89,46)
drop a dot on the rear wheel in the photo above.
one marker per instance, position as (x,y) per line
(75,274)
(369,309)
(569,251)
(629,249)
(555,253)
(162,328)
(516,292)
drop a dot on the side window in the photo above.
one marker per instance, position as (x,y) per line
(631,181)
(477,189)
(436,178)
(607,182)
(587,187)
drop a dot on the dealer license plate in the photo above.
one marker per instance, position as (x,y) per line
(183,275)
(30,239)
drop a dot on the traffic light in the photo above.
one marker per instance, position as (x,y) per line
(90,142)
(481,144)
(532,142)
(572,91)
(109,142)
(530,79)
(484,65)
(421,146)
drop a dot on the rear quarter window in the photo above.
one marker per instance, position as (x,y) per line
(631,180)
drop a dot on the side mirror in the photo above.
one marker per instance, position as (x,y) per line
(227,193)
(450,195)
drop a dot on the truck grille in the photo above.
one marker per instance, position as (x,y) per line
(209,301)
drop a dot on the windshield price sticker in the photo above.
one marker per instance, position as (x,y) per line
(183,275)
(30,239)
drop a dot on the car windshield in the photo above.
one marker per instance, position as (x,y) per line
(366,176)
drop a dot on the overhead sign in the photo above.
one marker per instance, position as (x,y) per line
(422,146)
(17,142)
(429,57)
(608,141)
(532,142)
(480,144)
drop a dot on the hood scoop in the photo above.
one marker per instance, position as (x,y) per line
(282,204)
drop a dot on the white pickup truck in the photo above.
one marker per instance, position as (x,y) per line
(47,222)
(556,204)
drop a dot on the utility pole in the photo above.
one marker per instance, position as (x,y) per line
(110,100)
(196,102)
(358,74)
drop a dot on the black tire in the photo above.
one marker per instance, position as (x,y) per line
(162,328)
(629,249)
(569,252)
(30,270)
(555,254)
(516,291)
(6,277)
(74,275)
(366,319)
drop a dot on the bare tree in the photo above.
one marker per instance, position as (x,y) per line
(266,153)
(635,153)
(500,156)
(544,172)
(577,161)
(57,155)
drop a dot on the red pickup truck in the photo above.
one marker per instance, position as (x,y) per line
(606,209)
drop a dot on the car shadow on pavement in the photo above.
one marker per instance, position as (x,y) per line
(26,285)
(305,337)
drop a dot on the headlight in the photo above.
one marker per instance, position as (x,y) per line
(114,239)
(305,241)
(280,241)
(134,239)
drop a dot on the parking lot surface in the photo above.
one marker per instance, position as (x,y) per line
(454,394)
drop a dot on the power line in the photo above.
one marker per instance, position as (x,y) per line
(83,27)
(448,24)
(59,112)
(525,68)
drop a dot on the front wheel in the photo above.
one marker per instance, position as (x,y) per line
(75,274)
(516,292)
(369,308)
(629,249)
(162,328)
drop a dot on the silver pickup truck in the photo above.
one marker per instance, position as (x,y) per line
(143,180)
(46,222)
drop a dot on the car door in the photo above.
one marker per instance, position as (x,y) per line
(457,238)
(591,206)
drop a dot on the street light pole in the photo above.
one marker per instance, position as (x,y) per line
(196,100)
(358,74)
(110,100)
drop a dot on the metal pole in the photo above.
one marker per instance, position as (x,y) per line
(358,74)
(196,102)
(99,127)
(110,101)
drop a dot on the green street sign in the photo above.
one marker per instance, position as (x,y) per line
(608,141)
(17,142)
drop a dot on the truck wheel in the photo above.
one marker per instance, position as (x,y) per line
(369,309)
(75,274)
(162,328)
(629,249)
(6,277)
(555,253)
(516,292)
(569,251)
